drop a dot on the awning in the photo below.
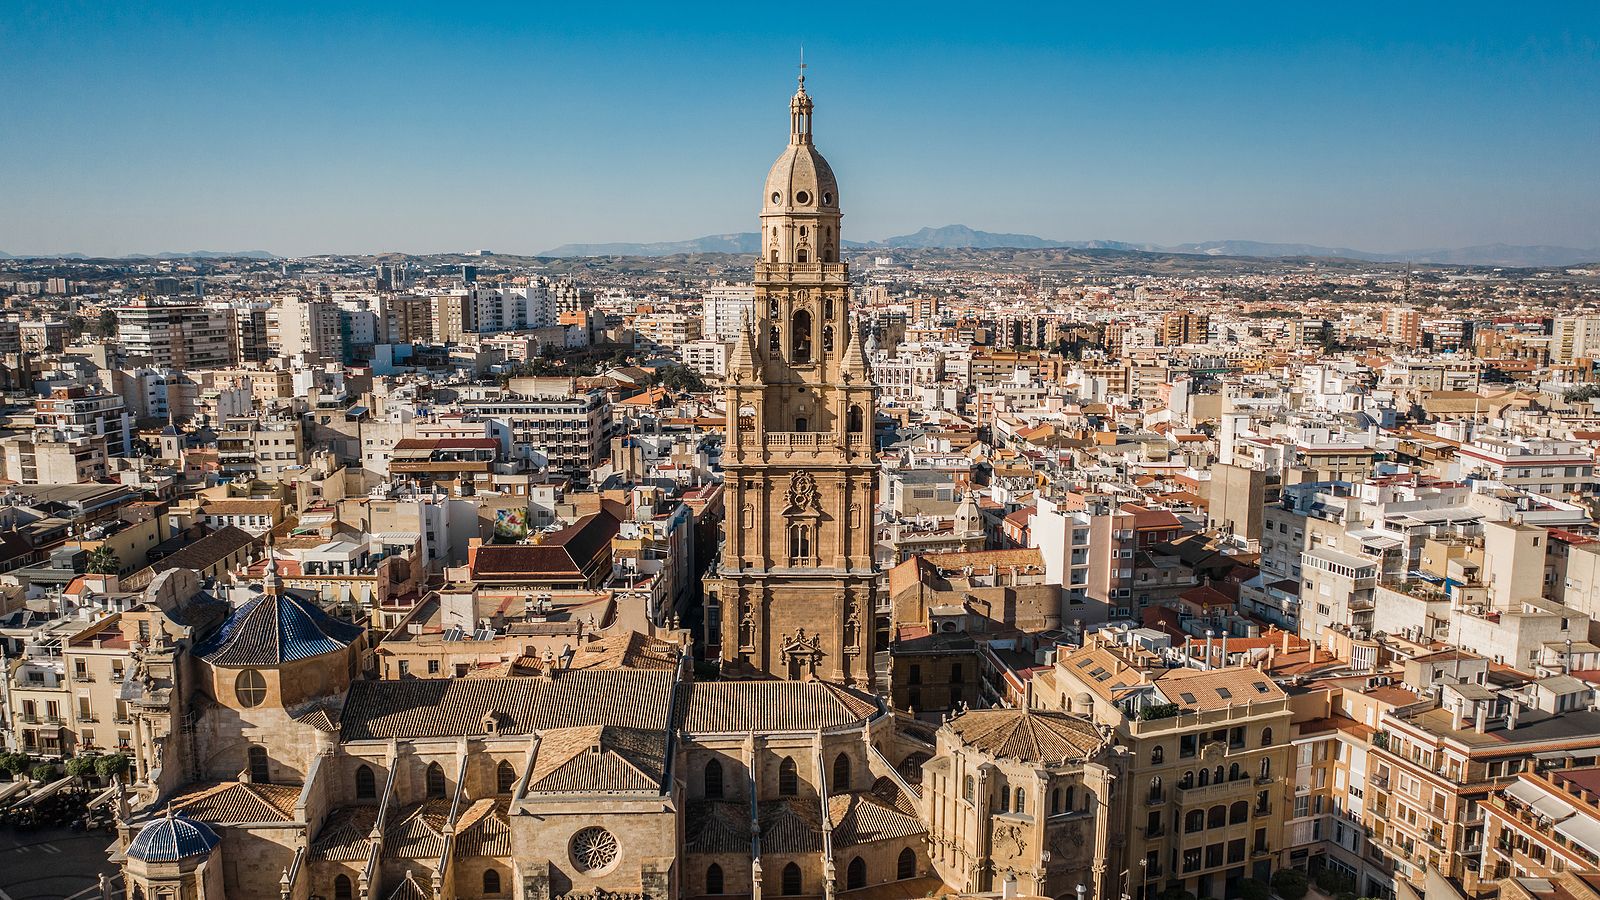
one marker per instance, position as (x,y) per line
(1554,754)
(49,790)
(12,789)
(1523,792)
(104,797)
(1581,830)
(1552,808)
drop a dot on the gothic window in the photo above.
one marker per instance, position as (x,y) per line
(802,332)
(791,880)
(250,688)
(841,774)
(713,780)
(906,866)
(714,879)
(855,877)
(435,780)
(260,772)
(505,778)
(342,889)
(788,778)
(491,881)
(858,422)
(594,849)
(827,339)
(1072,799)
(799,544)
(1055,801)
(366,783)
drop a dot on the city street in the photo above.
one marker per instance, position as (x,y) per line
(51,864)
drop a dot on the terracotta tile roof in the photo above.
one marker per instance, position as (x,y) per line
(790,826)
(715,826)
(599,759)
(570,551)
(1198,689)
(484,830)
(233,802)
(206,552)
(416,830)
(862,819)
(409,889)
(744,706)
(346,834)
(1027,735)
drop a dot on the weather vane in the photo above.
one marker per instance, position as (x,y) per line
(802,64)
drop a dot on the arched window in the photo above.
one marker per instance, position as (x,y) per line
(858,421)
(1021,801)
(1233,772)
(1155,788)
(505,777)
(788,779)
(841,774)
(1158,754)
(855,877)
(713,879)
(791,880)
(799,544)
(342,889)
(260,771)
(969,791)
(1004,798)
(1217,817)
(366,783)
(491,881)
(1266,767)
(435,780)
(1238,812)
(1195,821)
(250,688)
(827,339)
(801,423)
(1205,777)
(713,780)
(775,339)
(1055,801)
(906,866)
(1266,737)
(827,254)
(800,333)
(1217,775)
(1072,799)
(138,892)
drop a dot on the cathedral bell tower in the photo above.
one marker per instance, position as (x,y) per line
(794,596)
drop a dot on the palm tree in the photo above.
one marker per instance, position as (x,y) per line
(103,561)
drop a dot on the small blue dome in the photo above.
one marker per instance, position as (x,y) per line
(171,838)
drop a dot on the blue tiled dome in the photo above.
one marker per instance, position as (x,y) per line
(269,630)
(171,838)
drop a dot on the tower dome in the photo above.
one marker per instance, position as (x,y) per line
(801,180)
(172,838)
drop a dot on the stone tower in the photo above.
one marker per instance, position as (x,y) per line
(794,596)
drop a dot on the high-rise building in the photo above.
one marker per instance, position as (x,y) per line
(725,306)
(795,594)
(179,336)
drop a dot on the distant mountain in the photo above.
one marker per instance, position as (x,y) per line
(204,254)
(1263,249)
(954,237)
(743,242)
(1507,255)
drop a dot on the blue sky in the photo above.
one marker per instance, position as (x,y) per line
(516,127)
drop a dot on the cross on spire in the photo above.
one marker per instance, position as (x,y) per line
(802,66)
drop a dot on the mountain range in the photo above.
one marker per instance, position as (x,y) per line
(165,254)
(952,237)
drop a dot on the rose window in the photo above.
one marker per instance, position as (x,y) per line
(594,849)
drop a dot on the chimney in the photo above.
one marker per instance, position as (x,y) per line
(1481,723)
(1512,715)
(1224,649)
(1286,642)
(1313,653)
(1209,634)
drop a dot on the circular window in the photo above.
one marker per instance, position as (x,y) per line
(827,198)
(594,850)
(777,197)
(802,198)
(250,688)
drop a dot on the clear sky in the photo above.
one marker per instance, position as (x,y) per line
(515,127)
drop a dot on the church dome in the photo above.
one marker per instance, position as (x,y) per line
(171,838)
(801,180)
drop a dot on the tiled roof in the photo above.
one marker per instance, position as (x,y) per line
(569,551)
(862,819)
(346,834)
(790,826)
(456,706)
(207,551)
(743,706)
(319,716)
(484,830)
(1027,735)
(171,838)
(409,889)
(269,630)
(713,826)
(599,759)
(416,831)
(232,802)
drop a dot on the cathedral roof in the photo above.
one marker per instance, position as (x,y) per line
(717,826)
(346,834)
(743,706)
(800,168)
(271,629)
(171,838)
(1028,735)
(790,826)
(484,830)
(417,830)
(864,818)
(599,759)
(234,802)
(410,889)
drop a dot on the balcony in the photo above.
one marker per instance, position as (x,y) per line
(1244,788)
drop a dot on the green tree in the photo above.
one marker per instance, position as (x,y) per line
(45,771)
(110,765)
(106,325)
(1290,884)
(1254,890)
(14,764)
(104,561)
(681,378)
(82,766)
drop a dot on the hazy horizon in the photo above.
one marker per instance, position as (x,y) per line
(395,128)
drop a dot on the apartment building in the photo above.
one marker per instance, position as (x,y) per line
(85,410)
(265,450)
(552,424)
(179,336)
(1537,465)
